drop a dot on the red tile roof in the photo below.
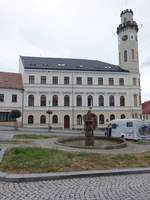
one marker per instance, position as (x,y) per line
(11,80)
(146,107)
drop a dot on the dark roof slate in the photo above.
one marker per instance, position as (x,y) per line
(68,64)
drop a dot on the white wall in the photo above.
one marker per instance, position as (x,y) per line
(37,89)
(8,105)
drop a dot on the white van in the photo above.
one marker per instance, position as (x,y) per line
(125,128)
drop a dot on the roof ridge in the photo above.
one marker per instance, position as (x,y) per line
(11,73)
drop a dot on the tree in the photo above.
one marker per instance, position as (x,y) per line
(14,114)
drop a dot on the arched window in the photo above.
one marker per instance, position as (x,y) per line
(90,101)
(125,56)
(55,119)
(111,101)
(112,116)
(79,100)
(79,120)
(101,100)
(30,119)
(55,100)
(135,100)
(122,101)
(43,119)
(43,100)
(66,100)
(122,116)
(31,100)
(101,119)
(133,56)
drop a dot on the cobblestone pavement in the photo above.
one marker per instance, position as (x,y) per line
(130,187)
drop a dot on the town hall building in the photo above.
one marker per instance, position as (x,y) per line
(70,87)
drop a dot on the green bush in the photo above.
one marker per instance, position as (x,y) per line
(14,114)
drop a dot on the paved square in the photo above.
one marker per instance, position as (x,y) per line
(129,187)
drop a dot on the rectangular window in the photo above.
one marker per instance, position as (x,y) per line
(14,98)
(5,116)
(134,81)
(100,81)
(66,80)
(43,79)
(114,126)
(55,80)
(111,81)
(79,81)
(89,81)
(1,97)
(129,124)
(31,80)
(121,81)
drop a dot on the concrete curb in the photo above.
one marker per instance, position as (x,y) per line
(19,178)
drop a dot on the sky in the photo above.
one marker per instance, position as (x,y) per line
(70,29)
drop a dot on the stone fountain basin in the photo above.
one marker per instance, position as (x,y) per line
(101,142)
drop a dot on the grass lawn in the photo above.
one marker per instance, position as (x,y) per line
(32,136)
(37,160)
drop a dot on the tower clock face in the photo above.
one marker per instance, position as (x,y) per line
(124,37)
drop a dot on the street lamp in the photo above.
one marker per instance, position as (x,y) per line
(49,112)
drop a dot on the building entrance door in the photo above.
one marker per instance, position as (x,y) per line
(66,121)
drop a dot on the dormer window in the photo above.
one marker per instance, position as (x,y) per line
(31,64)
(45,65)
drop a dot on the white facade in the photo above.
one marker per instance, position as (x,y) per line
(9,104)
(128,90)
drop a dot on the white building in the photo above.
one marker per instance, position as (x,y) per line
(70,86)
(11,97)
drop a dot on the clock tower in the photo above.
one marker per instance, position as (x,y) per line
(128,42)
